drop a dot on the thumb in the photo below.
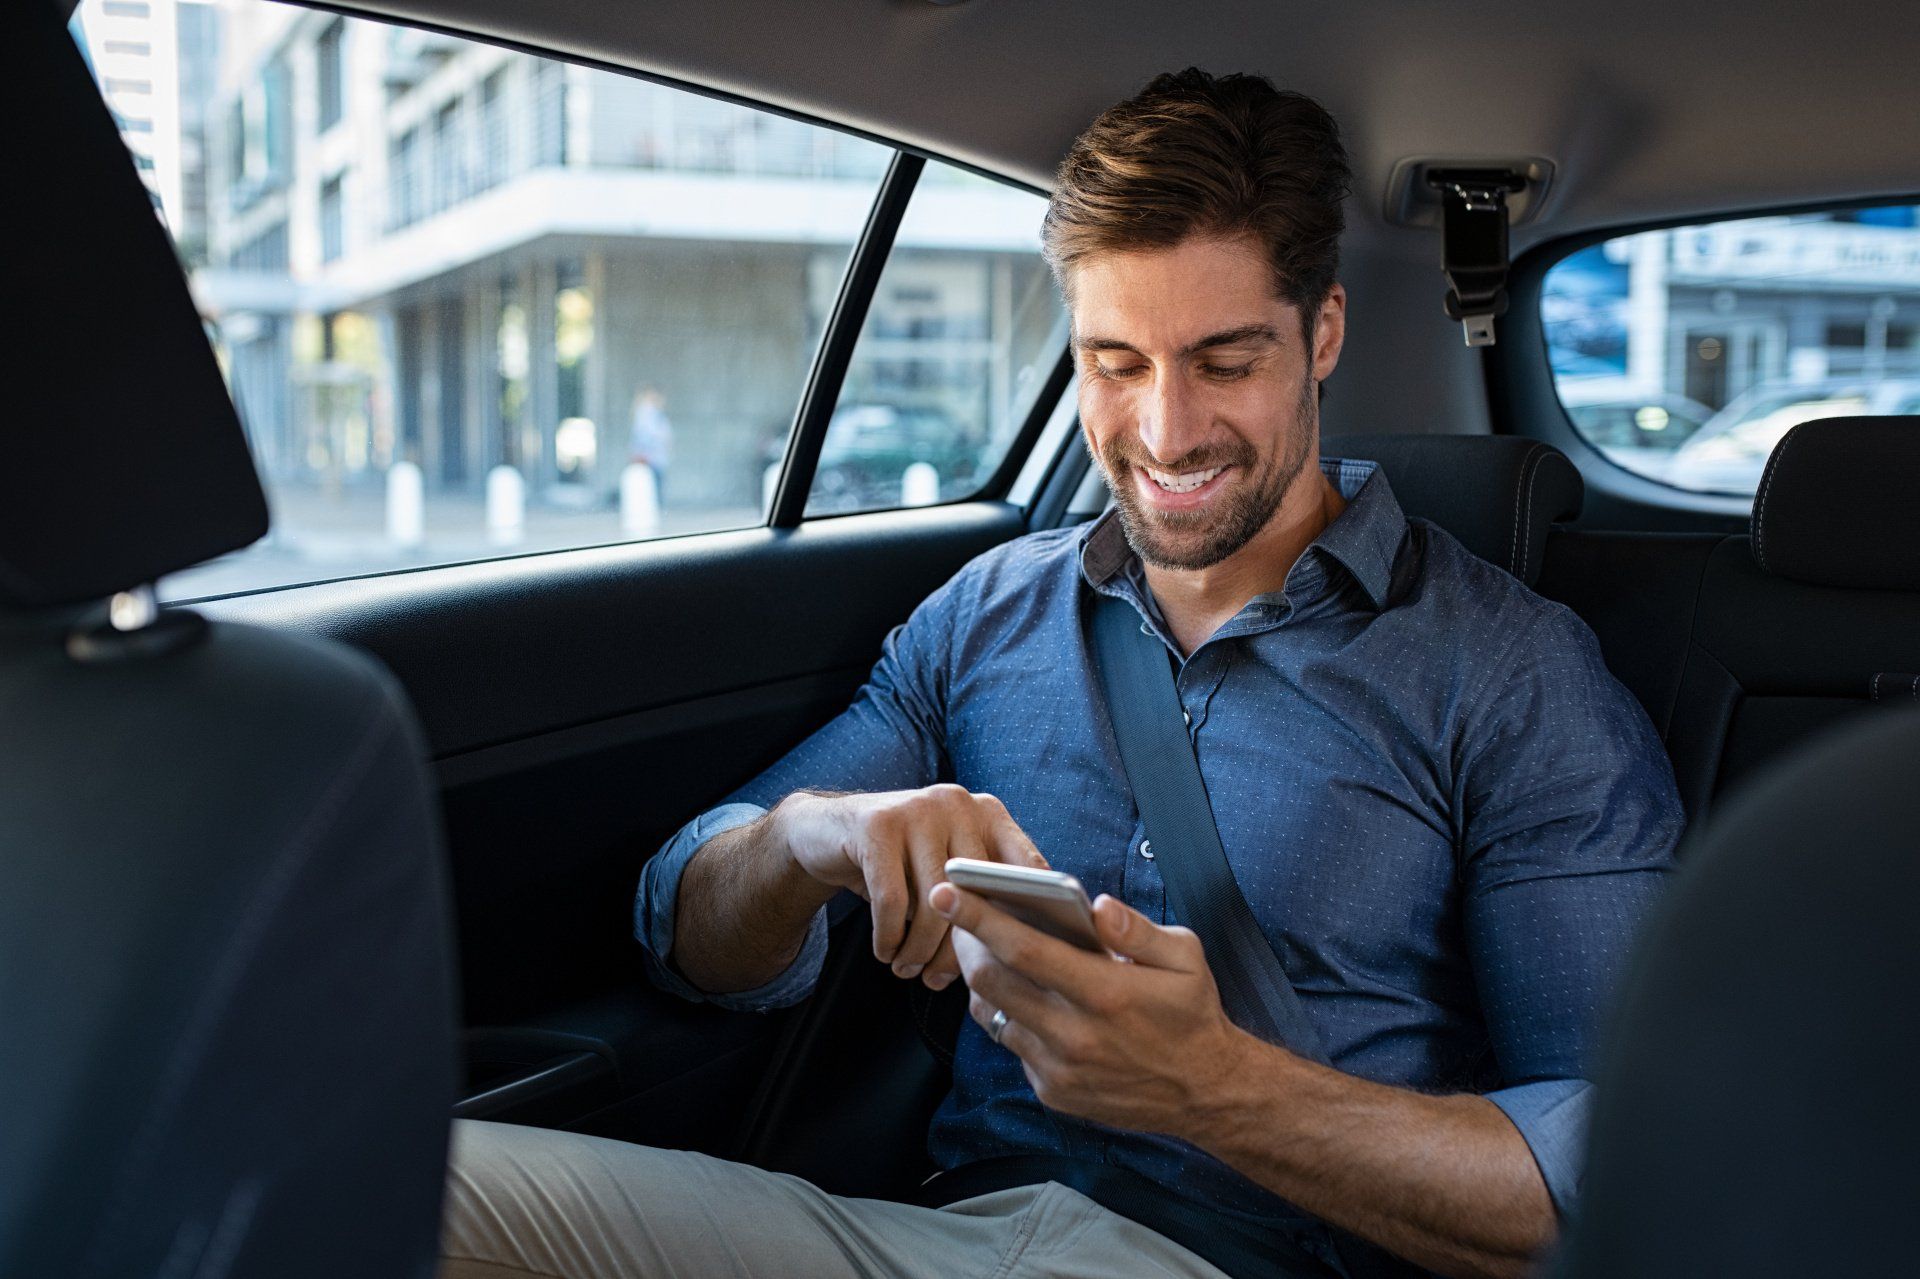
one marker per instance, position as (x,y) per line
(1125,931)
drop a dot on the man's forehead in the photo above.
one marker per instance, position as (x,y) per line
(1177,298)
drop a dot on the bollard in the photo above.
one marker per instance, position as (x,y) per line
(920,485)
(506,506)
(639,501)
(406,505)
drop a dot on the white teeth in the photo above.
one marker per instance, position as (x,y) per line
(1186,483)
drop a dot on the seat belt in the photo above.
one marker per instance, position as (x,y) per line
(1149,724)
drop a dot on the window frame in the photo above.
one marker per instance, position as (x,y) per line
(1523,399)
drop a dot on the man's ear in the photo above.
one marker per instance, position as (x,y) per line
(1329,332)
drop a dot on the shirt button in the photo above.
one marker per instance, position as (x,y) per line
(1146,849)
(1187,716)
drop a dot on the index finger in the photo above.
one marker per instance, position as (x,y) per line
(1010,844)
(1041,958)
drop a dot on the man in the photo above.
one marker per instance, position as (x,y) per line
(1443,812)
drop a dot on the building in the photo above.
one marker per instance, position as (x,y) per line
(429,249)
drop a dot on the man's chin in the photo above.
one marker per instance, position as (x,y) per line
(1175,543)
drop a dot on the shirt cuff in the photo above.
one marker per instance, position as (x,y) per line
(659,897)
(1552,1117)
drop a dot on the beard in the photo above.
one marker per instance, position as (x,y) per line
(1201,539)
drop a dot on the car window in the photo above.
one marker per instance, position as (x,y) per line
(1685,354)
(472,302)
(963,329)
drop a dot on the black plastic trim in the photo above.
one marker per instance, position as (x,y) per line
(1065,473)
(1522,398)
(1038,414)
(831,361)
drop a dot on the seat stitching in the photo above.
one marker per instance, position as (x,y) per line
(1914,690)
(1873,686)
(1532,484)
(1528,466)
(176,1075)
(1766,487)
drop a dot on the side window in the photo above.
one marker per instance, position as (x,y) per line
(964,327)
(472,302)
(1685,355)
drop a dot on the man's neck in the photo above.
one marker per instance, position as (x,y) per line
(1196,602)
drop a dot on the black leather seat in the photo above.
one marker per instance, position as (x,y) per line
(1500,495)
(226,1005)
(1756,1112)
(1740,647)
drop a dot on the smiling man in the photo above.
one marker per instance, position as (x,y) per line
(1444,815)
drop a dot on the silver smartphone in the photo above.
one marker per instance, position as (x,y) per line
(1049,900)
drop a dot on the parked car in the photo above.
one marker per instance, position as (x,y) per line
(1728,453)
(870,446)
(1639,432)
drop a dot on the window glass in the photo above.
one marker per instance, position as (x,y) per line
(1685,355)
(472,302)
(964,328)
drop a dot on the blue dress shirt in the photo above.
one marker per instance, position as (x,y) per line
(1446,814)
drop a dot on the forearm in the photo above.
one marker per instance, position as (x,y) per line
(1444,1181)
(743,907)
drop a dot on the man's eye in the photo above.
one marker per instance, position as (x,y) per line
(1226,372)
(1118,374)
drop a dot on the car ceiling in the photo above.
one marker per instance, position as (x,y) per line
(1648,109)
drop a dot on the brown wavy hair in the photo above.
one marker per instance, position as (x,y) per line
(1199,154)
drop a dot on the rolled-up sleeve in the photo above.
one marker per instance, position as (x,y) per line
(1572,817)
(1552,1118)
(655,906)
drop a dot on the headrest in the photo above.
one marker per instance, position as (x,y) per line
(1497,493)
(124,459)
(1837,504)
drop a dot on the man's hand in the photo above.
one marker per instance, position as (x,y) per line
(1141,1045)
(892,849)
(1445,1181)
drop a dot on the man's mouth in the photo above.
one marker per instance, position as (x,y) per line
(1180,490)
(1182,481)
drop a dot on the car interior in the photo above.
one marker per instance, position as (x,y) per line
(237,1012)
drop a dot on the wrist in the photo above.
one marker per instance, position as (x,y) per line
(788,834)
(1238,1091)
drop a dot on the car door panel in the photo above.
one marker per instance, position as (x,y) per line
(581,706)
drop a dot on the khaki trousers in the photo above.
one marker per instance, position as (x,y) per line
(530,1201)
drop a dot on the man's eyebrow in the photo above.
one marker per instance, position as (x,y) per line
(1225,337)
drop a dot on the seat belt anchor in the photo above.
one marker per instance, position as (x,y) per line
(1473,229)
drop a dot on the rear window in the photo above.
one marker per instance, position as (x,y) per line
(1685,354)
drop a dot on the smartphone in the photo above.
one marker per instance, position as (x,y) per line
(1053,902)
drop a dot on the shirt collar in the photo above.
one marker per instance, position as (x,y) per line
(1364,539)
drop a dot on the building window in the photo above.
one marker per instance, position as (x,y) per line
(333,220)
(549,113)
(331,57)
(449,158)
(493,131)
(133,48)
(117,84)
(403,180)
(125,9)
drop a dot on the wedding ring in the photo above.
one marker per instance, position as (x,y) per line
(997,1024)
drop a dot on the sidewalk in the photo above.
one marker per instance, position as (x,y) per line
(317,536)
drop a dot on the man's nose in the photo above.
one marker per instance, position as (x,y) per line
(1172,421)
